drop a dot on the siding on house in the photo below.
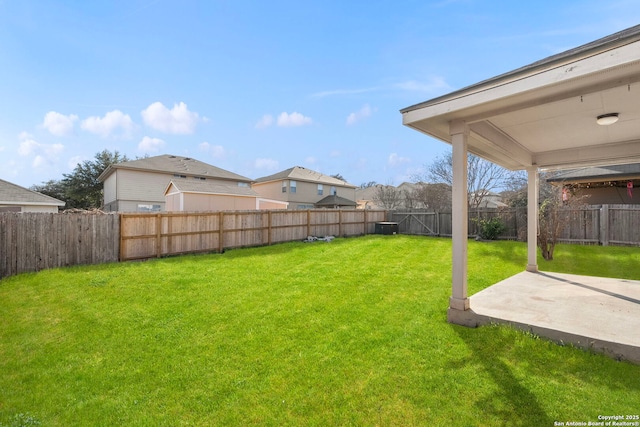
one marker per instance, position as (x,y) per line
(306,187)
(139,185)
(204,196)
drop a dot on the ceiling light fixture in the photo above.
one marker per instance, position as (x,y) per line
(607,119)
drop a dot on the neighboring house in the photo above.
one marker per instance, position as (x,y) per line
(200,196)
(367,198)
(304,189)
(140,185)
(490,200)
(617,184)
(14,198)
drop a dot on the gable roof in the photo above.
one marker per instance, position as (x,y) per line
(335,200)
(299,173)
(602,173)
(205,187)
(168,163)
(12,194)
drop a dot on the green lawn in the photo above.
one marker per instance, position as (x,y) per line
(351,332)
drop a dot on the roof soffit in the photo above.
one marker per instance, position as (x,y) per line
(527,121)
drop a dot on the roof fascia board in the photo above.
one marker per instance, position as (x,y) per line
(4,202)
(581,68)
(603,45)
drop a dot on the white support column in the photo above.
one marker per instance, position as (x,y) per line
(460,216)
(532,219)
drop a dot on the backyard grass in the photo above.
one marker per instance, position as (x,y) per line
(351,332)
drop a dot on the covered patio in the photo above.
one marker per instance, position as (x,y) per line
(575,109)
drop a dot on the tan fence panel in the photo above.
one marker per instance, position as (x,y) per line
(160,234)
(37,241)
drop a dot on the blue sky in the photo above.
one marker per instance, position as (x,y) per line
(256,87)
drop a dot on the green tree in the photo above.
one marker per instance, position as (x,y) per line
(81,187)
(53,188)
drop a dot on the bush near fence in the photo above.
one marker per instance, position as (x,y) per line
(35,241)
(594,224)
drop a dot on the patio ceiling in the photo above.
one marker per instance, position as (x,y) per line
(544,114)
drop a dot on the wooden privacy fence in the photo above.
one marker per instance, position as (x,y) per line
(171,233)
(596,224)
(37,241)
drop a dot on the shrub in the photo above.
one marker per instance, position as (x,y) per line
(490,229)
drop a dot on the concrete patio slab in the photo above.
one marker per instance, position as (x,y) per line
(601,314)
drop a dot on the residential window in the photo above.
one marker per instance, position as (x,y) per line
(243,184)
(292,186)
(200,178)
(284,186)
(319,189)
(333,191)
(149,208)
(177,175)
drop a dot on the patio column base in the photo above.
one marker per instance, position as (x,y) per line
(462,317)
(532,268)
(461,304)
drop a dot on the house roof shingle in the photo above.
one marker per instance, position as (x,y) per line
(168,163)
(302,174)
(335,200)
(12,194)
(204,187)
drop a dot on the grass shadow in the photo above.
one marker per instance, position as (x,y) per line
(513,403)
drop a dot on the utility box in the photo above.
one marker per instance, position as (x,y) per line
(386,228)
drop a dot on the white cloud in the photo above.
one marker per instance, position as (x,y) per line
(27,147)
(39,161)
(310,160)
(335,153)
(434,84)
(105,126)
(44,153)
(178,120)
(293,119)
(73,162)
(395,160)
(216,151)
(266,164)
(150,145)
(265,121)
(363,113)
(344,92)
(59,124)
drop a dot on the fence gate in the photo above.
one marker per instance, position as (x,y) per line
(421,223)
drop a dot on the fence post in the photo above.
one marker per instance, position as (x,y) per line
(604,225)
(308,222)
(158,236)
(269,230)
(220,232)
(366,228)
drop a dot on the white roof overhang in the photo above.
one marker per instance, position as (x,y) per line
(544,114)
